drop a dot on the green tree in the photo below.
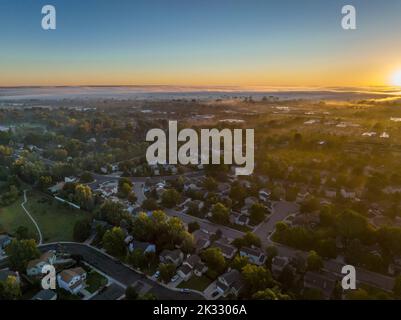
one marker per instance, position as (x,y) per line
(214,259)
(256,278)
(170,198)
(131,294)
(220,214)
(113,242)
(193,226)
(257,213)
(82,230)
(167,271)
(10,289)
(314,261)
(20,252)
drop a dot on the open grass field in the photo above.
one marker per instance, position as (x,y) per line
(11,217)
(56,220)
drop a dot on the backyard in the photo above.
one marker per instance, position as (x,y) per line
(196,283)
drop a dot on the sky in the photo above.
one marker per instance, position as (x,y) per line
(200,43)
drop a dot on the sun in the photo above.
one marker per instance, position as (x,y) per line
(396,79)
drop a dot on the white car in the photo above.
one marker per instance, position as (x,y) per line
(175,278)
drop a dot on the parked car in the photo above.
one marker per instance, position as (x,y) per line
(175,278)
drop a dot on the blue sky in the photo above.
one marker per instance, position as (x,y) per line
(216,42)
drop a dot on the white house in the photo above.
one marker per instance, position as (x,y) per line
(35,266)
(72,280)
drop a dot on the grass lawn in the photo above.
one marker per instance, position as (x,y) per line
(94,281)
(196,283)
(56,220)
(11,217)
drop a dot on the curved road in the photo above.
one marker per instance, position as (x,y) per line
(118,271)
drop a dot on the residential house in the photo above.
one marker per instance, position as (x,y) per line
(72,280)
(323,281)
(264,195)
(227,250)
(201,238)
(172,256)
(230,283)
(278,265)
(254,255)
(192,265)
(5,240)
(330,193)
(34,267)
(145,247)
(348,194)
(57,187)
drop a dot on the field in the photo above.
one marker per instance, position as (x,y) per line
(11,217)
(55,220)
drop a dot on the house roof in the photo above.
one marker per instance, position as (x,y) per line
(140,245)
(4,238)
(226,249)
(173,254)
(256,252)
(185,269)
(231,276)
(193,260)
(280,261)
(320,280)
(68,274)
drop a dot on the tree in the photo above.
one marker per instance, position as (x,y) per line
(327,248)
(10,289)
(237,192)
(131,294)
(23,232)
(124,190)
(210,184)
(170,198)
(150,204)
(309,205)
(137,259)
(220,214)
(239,262)
(113,212)
(132,197)
(167,271)
(113,242)
(86,177)
(83,196)
(20,252)
(82,230)
(193,226)
(257,213)
(248,240)
(214,259)
(314,261)
(256,278)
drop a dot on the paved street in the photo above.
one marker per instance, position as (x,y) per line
(120,272)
